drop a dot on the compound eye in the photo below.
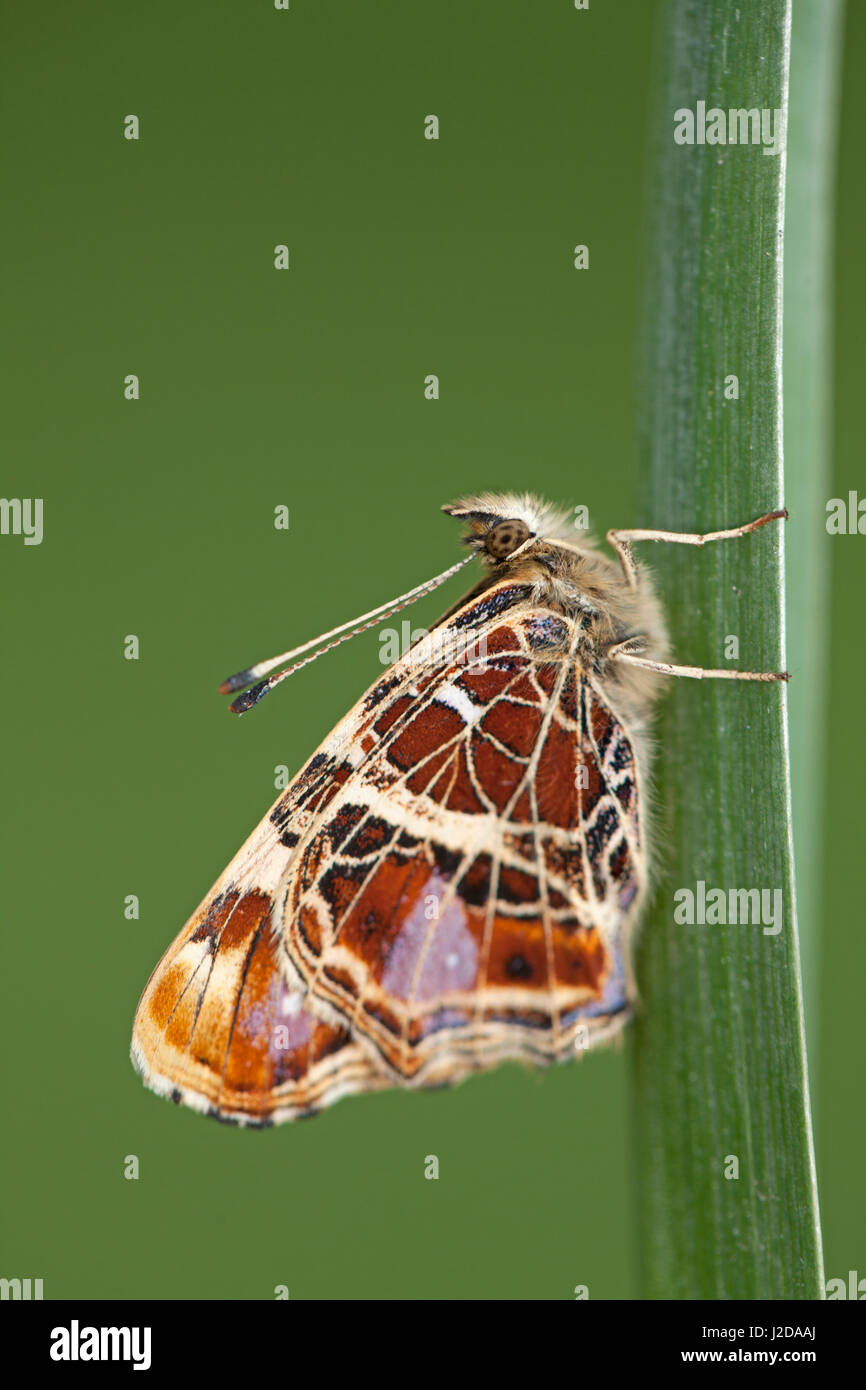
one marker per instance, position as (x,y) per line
(505,537)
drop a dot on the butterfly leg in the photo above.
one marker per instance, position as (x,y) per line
(624,653)
(621,542)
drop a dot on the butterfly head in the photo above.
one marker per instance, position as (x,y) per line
(499,525)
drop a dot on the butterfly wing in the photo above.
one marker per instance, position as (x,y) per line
(467,891)
(224,1025)
(219,1029)
(447,882)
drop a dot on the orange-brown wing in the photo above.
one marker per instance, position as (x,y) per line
(468,892)
(218,1028)
(206,1024)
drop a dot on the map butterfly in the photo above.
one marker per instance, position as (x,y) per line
(455,876)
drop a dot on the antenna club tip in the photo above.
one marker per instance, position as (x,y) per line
(237,681)
(249,698)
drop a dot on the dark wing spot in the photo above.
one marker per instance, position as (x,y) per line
(518,968)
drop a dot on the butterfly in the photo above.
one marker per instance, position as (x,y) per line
(455,877)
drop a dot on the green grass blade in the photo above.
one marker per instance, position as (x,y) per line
(816,33)
(720,1075)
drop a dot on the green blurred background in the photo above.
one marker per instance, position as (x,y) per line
(306,388)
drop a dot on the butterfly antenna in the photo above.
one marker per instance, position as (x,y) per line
(252,675)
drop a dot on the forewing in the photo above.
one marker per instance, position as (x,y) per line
(219,1029)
